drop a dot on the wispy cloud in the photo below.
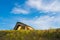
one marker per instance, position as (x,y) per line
(18,10)
(44,22)
(45,5)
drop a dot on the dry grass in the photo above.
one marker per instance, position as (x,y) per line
(30,35)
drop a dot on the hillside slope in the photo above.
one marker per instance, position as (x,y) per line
(30,35)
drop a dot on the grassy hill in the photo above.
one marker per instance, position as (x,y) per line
(53,34)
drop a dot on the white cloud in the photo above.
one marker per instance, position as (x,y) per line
(53,6)
(44,5)
(44,22)
(18,10)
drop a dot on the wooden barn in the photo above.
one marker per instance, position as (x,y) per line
(22,26)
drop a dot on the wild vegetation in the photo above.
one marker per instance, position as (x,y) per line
(52,34)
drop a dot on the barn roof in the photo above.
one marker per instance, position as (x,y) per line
(20,23)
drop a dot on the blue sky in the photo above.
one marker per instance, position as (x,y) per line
(40,14)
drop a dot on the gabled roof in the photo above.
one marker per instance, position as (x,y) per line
(20,24)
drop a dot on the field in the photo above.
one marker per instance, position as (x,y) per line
(53,34)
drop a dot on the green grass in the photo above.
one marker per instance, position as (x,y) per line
(30,35)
